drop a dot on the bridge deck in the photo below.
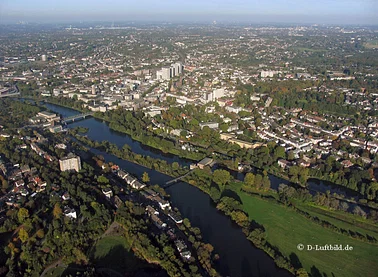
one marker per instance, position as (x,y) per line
(176,179)
(78,116)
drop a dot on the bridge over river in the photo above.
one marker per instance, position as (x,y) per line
(76,117)
(171,182)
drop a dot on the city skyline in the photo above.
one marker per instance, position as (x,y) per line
(277,11)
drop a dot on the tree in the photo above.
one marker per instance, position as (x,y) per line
(22,215)
(57,212)
(303,175)
(186,223)
(40,233)
(258,181)
(258,122)
(145,177)
(215,194)
(4,183)
(249,179)
(12,248)
(279,152)
(23,235)
(80,256)
(301,273)
(343,206)
(175,166)
(290,155)
(223,127)
(358,211)
(221,177)
(183,133)
(266,183)
(103,180)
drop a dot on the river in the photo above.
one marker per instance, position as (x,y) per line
(99,131)
(238,256)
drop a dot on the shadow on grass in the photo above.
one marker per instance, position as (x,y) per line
(232,194)
(120,261)
(315,272)
(294,260)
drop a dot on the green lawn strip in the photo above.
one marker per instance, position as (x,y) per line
(340,219)
(286,228)
(114,252)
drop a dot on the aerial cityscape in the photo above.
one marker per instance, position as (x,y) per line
(191,139)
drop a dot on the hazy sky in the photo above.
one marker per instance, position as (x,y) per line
(291,11)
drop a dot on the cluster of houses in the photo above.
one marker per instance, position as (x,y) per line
(182,248)
(23,181)
(26,182)
(69,212)
(158,209)
(154,215)
(130,180)
(40,152)
(154,196)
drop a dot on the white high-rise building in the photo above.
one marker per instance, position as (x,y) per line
(159,74)
(44,58)
(166,73)
(219,93)
(173,71)
(71,162)
(178,68)
(269,73)
(208,96)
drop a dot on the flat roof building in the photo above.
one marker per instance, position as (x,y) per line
(204,162)
(71,162)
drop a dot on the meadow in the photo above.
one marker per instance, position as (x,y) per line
(286,228)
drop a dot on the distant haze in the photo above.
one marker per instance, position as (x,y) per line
(249,11)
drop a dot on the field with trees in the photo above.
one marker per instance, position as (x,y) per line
(285,229)
(113,253)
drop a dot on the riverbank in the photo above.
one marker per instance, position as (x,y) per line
(149,238)
(297,223)
(274,171)
(302,233)
(174,169)
(156,143)
(229,236)
(295,228)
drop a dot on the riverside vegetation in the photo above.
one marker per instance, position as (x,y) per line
(235,200)
(208,141)
(265,156)
(41,234)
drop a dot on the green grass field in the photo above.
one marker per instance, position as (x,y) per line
(111,255)
(286,229)
(341,219)
(113,252)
